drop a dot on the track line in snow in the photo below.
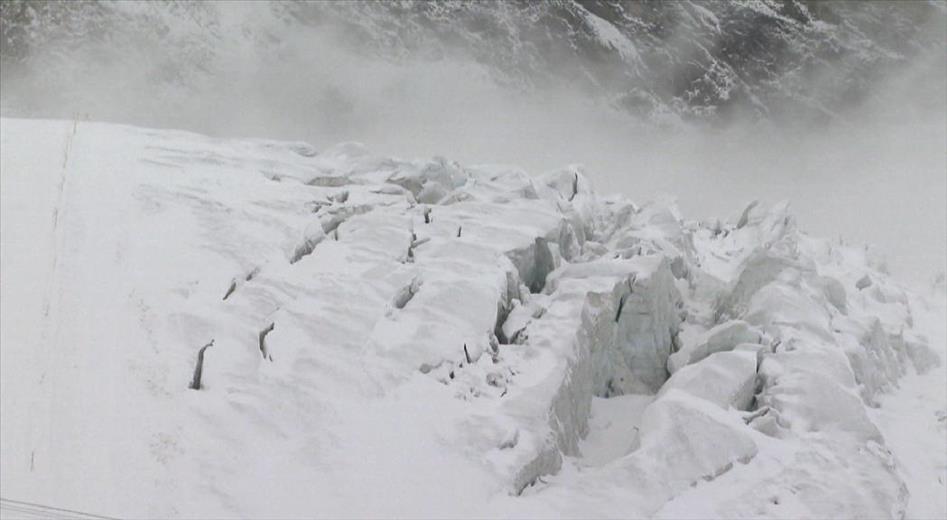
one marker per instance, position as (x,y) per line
(21,509)
(57,213)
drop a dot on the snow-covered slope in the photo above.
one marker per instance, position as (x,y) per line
(420,338)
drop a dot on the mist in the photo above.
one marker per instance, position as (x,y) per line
(873,173)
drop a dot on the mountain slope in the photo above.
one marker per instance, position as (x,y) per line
(421,338)
(689,59)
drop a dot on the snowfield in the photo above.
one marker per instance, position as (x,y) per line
(395,338)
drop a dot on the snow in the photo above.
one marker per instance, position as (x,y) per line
(721,338)
(611,37)
(727,379)
(914,421)
(422,338)
(614,424)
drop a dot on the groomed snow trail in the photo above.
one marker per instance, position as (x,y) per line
(425,339)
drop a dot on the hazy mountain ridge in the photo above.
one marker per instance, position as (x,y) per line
(692,59)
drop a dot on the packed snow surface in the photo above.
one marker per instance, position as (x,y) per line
(194,327)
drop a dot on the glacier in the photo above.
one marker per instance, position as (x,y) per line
(204,327)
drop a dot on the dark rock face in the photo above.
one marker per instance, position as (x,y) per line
(695,59)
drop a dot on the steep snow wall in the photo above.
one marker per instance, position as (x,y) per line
(608,327)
